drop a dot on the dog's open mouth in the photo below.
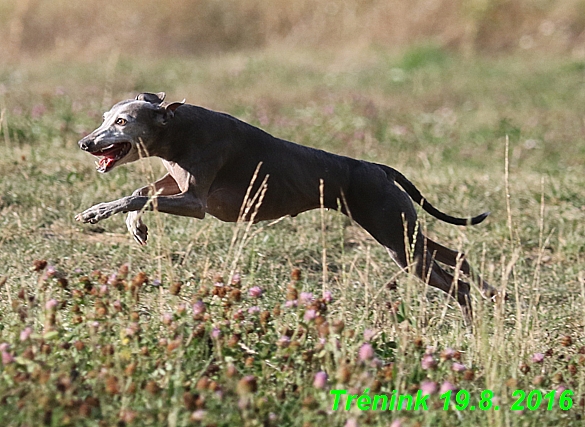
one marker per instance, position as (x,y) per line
(110,155)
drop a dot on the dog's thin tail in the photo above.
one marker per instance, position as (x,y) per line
(415,194)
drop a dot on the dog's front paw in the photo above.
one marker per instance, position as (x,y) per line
(96,213)
(137,228)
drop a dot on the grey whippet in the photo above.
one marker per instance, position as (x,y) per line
(212,159)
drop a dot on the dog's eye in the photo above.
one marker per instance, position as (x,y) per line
(120,121)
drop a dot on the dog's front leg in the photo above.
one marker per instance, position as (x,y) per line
(165,186)
(183,204)
(105,210)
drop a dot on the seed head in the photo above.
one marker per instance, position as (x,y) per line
(123,271)
(140,279)
(247,385)
(469,375)
(235,295)
(296,274)
(175,288)
(291,292)
(152,387)
(130,369)
(112,385)
(231,370)
(202,383)
(39,264)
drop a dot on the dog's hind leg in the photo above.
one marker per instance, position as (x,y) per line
(388,214)
(457,260)
(424,266)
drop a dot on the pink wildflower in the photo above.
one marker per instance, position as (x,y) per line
(446,386)
(306,297)
(458,367)
(283,341)
(320,380)
(7,358)
(254,310)
(428,362)
(537,357)
(428,387)
(366,352)
(51,305)
(198,308)
(310,315)
(255,292)
(25,333)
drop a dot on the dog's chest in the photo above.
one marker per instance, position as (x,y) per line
(180,175)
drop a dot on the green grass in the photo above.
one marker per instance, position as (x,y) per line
(123,350)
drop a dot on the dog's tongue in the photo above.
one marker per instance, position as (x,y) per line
(110,155)
(105,163)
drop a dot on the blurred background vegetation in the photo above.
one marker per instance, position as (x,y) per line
(478,102)
(84,29)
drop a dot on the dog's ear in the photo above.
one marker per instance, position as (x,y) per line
(173,106)
(153,98)
(167,112)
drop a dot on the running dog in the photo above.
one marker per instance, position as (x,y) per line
(216,163)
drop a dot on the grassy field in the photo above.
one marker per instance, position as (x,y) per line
(97,330)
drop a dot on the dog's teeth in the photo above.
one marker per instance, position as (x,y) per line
(97,164)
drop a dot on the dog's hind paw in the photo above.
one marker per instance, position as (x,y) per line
(137,228)
(490,292)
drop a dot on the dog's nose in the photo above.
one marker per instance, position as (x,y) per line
(84,143)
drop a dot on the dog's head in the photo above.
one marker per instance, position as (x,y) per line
(129,130)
